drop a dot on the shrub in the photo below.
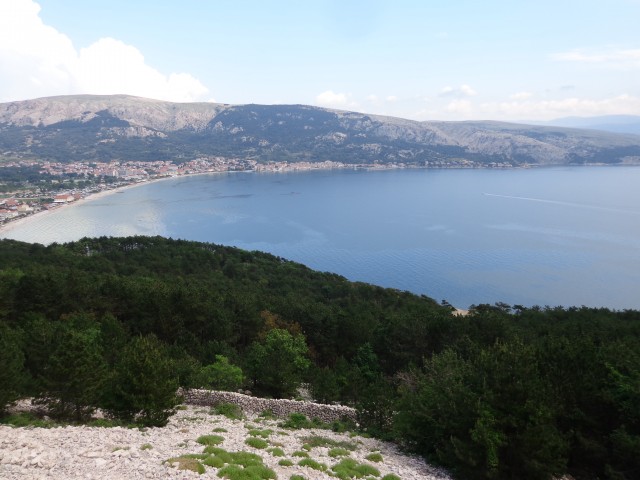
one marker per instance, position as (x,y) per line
(374,457)
(299,453)
(260,433)
(296,477)
(308,462)
(220,375)
(391,476)
(210,439)
(318,441)
(348,468)
(338,452)
(285,462)
(276,452)
(229,410)
(256,442)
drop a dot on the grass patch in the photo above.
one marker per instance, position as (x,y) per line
(268,415)
(338,452)
(348,468)
(255,432)
(299,453)
(229,410)
(256,443)
(308,462)
(391,476)
(374,457)
(317,441)
(25,419)
(187,463)
(181,407)
(219,429)
(210,440)
(276,452)
(297,477)
(146,446)
(285,462)
(253,472)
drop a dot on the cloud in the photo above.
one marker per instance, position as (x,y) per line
(37,60)
(461,91)
(460,107)
(550,109)
(334,100)
(391,98)
(521,96)
(619,58)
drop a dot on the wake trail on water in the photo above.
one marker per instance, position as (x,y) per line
(566,204)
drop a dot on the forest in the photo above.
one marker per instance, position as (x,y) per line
(505,392)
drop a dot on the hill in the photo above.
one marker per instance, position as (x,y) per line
(100,128)
(503,392)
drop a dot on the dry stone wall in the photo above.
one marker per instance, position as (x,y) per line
(280,407)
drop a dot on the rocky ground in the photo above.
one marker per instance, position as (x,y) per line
(75,452)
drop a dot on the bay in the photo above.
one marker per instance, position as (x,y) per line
(544,236)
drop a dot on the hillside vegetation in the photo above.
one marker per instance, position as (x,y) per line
(119,127)
(505,392)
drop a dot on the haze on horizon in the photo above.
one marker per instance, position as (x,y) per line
(497,60)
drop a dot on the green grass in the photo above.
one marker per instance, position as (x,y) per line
(308,462)
(338,452)
(229,410)
(391,476)
(297,477)
(374,457)
(276,452)
(254,432)
(268,415)
(146,446)
(27,420)
(220,429)
(299,453)
(256,442)
(348,468)
(317,441)
(210,440)
(285,462)
(253,472)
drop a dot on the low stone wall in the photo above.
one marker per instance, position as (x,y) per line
(280,407)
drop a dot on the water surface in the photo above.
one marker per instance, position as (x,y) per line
(556,236)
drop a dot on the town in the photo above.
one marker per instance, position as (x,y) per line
(60,183)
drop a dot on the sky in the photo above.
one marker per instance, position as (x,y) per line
(509,60)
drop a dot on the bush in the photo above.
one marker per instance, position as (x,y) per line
(256,443)
(144,386)
(12,370)
(210,440)
(308,462)
(229,410)
(220,375)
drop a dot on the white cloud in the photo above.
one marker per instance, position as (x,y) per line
(334,100)
(550,109)
(461,91)
(37,60)
(521,96)
(391,98)
(460,107)
(620,58)
(373,98)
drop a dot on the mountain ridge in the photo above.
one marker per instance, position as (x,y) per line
(122,127)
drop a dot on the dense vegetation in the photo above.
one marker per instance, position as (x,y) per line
(505,392)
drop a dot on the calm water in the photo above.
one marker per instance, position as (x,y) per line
(557,236)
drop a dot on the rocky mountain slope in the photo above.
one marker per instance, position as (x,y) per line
(87,127)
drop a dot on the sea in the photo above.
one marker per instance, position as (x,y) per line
(563,236)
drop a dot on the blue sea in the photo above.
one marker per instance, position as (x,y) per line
(543,236)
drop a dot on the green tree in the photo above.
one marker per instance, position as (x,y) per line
(73,378)
(11,367)
(144,384)
(220,375)
(277,364)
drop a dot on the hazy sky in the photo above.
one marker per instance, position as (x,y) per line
(422,59)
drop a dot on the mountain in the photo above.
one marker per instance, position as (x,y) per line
(608,123)
(120,127)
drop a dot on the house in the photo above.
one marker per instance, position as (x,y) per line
(63,198)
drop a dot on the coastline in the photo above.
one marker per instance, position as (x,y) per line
(12,225)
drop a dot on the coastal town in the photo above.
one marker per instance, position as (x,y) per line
(61,184)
